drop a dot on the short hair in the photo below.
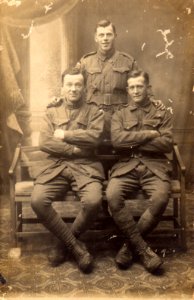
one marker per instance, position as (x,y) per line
(70,71)
(137,73)
(105,23)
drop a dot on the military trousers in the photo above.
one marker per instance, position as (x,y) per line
(90,196)
(119,188)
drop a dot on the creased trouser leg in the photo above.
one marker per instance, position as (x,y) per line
(91,199)
(157,190)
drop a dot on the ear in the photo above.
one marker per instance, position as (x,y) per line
(149,87)
(95,38)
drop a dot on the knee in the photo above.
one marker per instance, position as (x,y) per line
(92,203)
(159,203)
(113,196)
(38,202)
(161,197)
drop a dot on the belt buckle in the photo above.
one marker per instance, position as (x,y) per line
(136,155)
(107,99)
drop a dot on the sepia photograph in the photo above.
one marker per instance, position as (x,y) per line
(96,153)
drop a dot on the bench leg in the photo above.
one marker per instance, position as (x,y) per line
(183,221)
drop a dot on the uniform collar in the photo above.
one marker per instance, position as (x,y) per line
(145,107)
(109,55)
(73,105)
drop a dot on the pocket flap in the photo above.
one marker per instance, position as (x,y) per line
(121,69)
(151,123)
(60,121)
(129,124)
(82,122)
(94,70)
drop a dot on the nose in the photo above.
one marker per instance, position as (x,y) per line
(73,88)
(105,37)
(135,90)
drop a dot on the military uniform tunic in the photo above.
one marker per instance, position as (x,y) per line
(106,82)
(143,164)
(84,124)
(106,77)
(63,169)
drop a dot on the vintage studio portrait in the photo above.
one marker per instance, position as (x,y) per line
(97,141)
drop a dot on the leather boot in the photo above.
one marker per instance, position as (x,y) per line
(56,225)
(124,257)
(150,260)
(57,255)
(127,225)
(82,256)
(2,280)
(147,223)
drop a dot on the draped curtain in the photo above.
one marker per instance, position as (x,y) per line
(17,19)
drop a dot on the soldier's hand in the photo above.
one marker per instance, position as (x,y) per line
(159,104)
(155,133)
(59,134)
(81,152)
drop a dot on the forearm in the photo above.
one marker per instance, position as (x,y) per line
(160,144)
(88,137)
(124,139)
(83,138)
(54,146)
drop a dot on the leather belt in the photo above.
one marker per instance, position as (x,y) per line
(109,99)
(146,154)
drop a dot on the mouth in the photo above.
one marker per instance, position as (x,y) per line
(73,95)
(136,97)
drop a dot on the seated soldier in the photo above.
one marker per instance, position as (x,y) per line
(143,134)
(70,132)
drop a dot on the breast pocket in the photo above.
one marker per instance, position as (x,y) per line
(92,75)
(120,75)
(151,124)
(82,124)
(130,125)
(60,123)
(94,81)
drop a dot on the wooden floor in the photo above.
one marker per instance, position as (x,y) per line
(30,275)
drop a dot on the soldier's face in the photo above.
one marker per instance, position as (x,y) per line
(73,86)
(105,38)
(137,89)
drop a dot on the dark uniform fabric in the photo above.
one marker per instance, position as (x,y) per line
(63,169)
(106,77)
(84,124)
(143,164)
(131,134)
(106,81)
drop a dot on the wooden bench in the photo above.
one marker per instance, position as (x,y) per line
(21,173)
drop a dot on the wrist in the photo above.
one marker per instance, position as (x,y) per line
(155,133)
(76,150)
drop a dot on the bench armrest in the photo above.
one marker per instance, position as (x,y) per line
(15,161)
(179,159)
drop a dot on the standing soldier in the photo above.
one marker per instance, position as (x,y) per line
(106,71)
